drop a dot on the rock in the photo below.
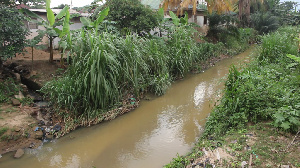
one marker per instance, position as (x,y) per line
(39,134)
(18,77)
(57,127)
(49,137)
(17,129)
(16,102)
(33,73)
(24,88)
(243,164)
(19,153)
(285,166)
(20,95)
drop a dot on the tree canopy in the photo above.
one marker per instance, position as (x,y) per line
(12,32)
(131,15)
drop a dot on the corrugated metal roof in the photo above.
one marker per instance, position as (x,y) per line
(55,11)
(154,4)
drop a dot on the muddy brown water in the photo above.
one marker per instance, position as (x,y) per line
(148,137)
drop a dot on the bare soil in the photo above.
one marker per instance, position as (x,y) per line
(259,145)
(21,121)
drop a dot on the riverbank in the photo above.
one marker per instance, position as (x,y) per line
(22,132)
(266,91)
(257,145)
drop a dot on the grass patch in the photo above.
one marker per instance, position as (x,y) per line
(266,146)
(3,130)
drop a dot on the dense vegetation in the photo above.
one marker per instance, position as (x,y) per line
(12,37)
(267,89)
(105,67)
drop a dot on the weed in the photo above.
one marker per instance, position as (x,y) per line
(4,138)
(8,88)
(3,130)
(178,162)
(26,101)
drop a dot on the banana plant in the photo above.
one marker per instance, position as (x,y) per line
(176,20)
(94,25)
(62,18)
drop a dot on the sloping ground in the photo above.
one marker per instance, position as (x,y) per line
(18,122)
(257,146)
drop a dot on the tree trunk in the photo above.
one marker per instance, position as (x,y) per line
(31,58)
(51,50)
(244,12)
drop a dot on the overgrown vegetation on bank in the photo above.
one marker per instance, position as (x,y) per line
(267,89)
(105,68)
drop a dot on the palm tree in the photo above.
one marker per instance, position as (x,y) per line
(220,6)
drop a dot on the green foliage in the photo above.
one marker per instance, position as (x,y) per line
(12,32)
(61,6)
(286,12)
(89,24)
(222,26)
(62,18)
(288,118)
(131,15)
(266,89)
(3,130)
(8,88)
(264,22)
(178,162)
(106,67)
(293,57)
(275,46)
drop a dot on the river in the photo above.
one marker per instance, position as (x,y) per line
(148,137)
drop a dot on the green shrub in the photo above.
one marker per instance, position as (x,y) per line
(264,90)
(3,130)
(264,22)
(275,46)
(8,88)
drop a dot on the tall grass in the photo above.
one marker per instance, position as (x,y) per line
(275,46)
(107,68)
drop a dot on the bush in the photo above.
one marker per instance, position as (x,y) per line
(275,46)
(264,22)
(260,92)
(8,88)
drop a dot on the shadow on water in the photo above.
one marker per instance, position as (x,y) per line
(149,136)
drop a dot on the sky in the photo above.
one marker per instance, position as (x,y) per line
(76,3)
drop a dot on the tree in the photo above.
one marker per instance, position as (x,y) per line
(35,4)
(12,32)
(61,6)
(220,6)
(131,15)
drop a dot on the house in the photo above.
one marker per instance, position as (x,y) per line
(199,17)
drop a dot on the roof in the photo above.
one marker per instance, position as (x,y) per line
(154,4)
(20,6)
(55,11)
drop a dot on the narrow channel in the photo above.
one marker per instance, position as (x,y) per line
(148,137)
